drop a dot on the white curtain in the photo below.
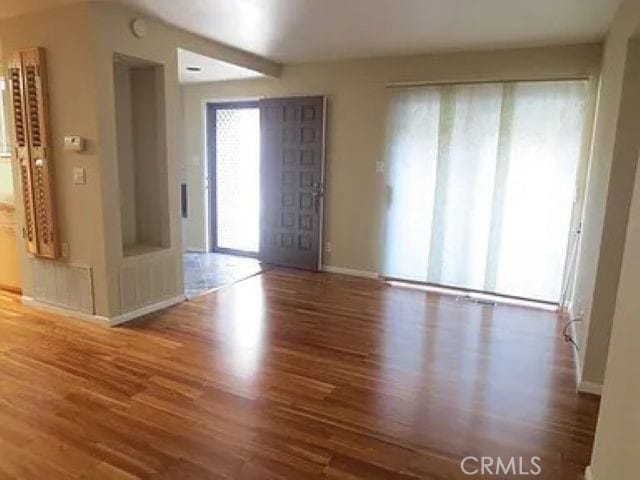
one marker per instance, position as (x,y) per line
(481,184)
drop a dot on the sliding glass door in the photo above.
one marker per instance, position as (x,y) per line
(482,180)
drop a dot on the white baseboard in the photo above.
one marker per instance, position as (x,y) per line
(588,473)
(63,312)
(125,317)
(349,271)
(590,387)
(98,319)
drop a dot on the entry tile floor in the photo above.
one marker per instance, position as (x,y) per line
(204,272)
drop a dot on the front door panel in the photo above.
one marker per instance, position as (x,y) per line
(292,148)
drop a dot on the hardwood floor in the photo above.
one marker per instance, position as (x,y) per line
(290,375)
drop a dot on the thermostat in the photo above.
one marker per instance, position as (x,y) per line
(74,143)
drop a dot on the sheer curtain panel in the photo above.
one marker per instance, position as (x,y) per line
(482,179)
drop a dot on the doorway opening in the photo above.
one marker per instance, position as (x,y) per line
(264,189)
(234,177)
(10,277)
(233,180)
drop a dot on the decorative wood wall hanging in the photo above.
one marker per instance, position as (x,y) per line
(29,105)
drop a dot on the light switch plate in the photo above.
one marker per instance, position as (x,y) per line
(79,176)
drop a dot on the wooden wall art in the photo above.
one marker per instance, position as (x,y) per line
(32,143)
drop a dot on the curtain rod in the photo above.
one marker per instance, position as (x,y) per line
(435,83)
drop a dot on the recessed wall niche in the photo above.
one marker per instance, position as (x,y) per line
(142,154)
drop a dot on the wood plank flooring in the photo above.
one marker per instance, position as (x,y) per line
(290,375)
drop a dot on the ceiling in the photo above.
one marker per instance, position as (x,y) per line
(12,8)
(210,69)
(310,30)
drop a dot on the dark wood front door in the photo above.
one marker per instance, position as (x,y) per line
(292,176)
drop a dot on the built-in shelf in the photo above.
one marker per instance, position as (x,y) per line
(142,155)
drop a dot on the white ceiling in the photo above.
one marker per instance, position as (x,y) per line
(310,30)
(211,70)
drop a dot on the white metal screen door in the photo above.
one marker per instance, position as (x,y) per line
(234,143)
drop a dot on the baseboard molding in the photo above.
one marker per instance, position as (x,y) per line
(98,319)
(350,271)
(588,473)
(125,317)
(590,387)
(63,312)
(576,354)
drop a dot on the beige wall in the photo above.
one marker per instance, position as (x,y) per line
(356,129)
(80,41)
(142,158)
(64,34)
(112,34)
(616,453)
(124,136)
(609,189)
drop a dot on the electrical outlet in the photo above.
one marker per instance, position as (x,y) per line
(328,247)
(64,249)
(379,166)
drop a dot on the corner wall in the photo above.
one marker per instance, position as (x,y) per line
(616,452)
(153,277)
(609,190)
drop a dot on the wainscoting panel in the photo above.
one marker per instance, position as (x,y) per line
(148,279)
(63,285)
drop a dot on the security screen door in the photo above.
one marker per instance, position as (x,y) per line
(234,140)
(291,179)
